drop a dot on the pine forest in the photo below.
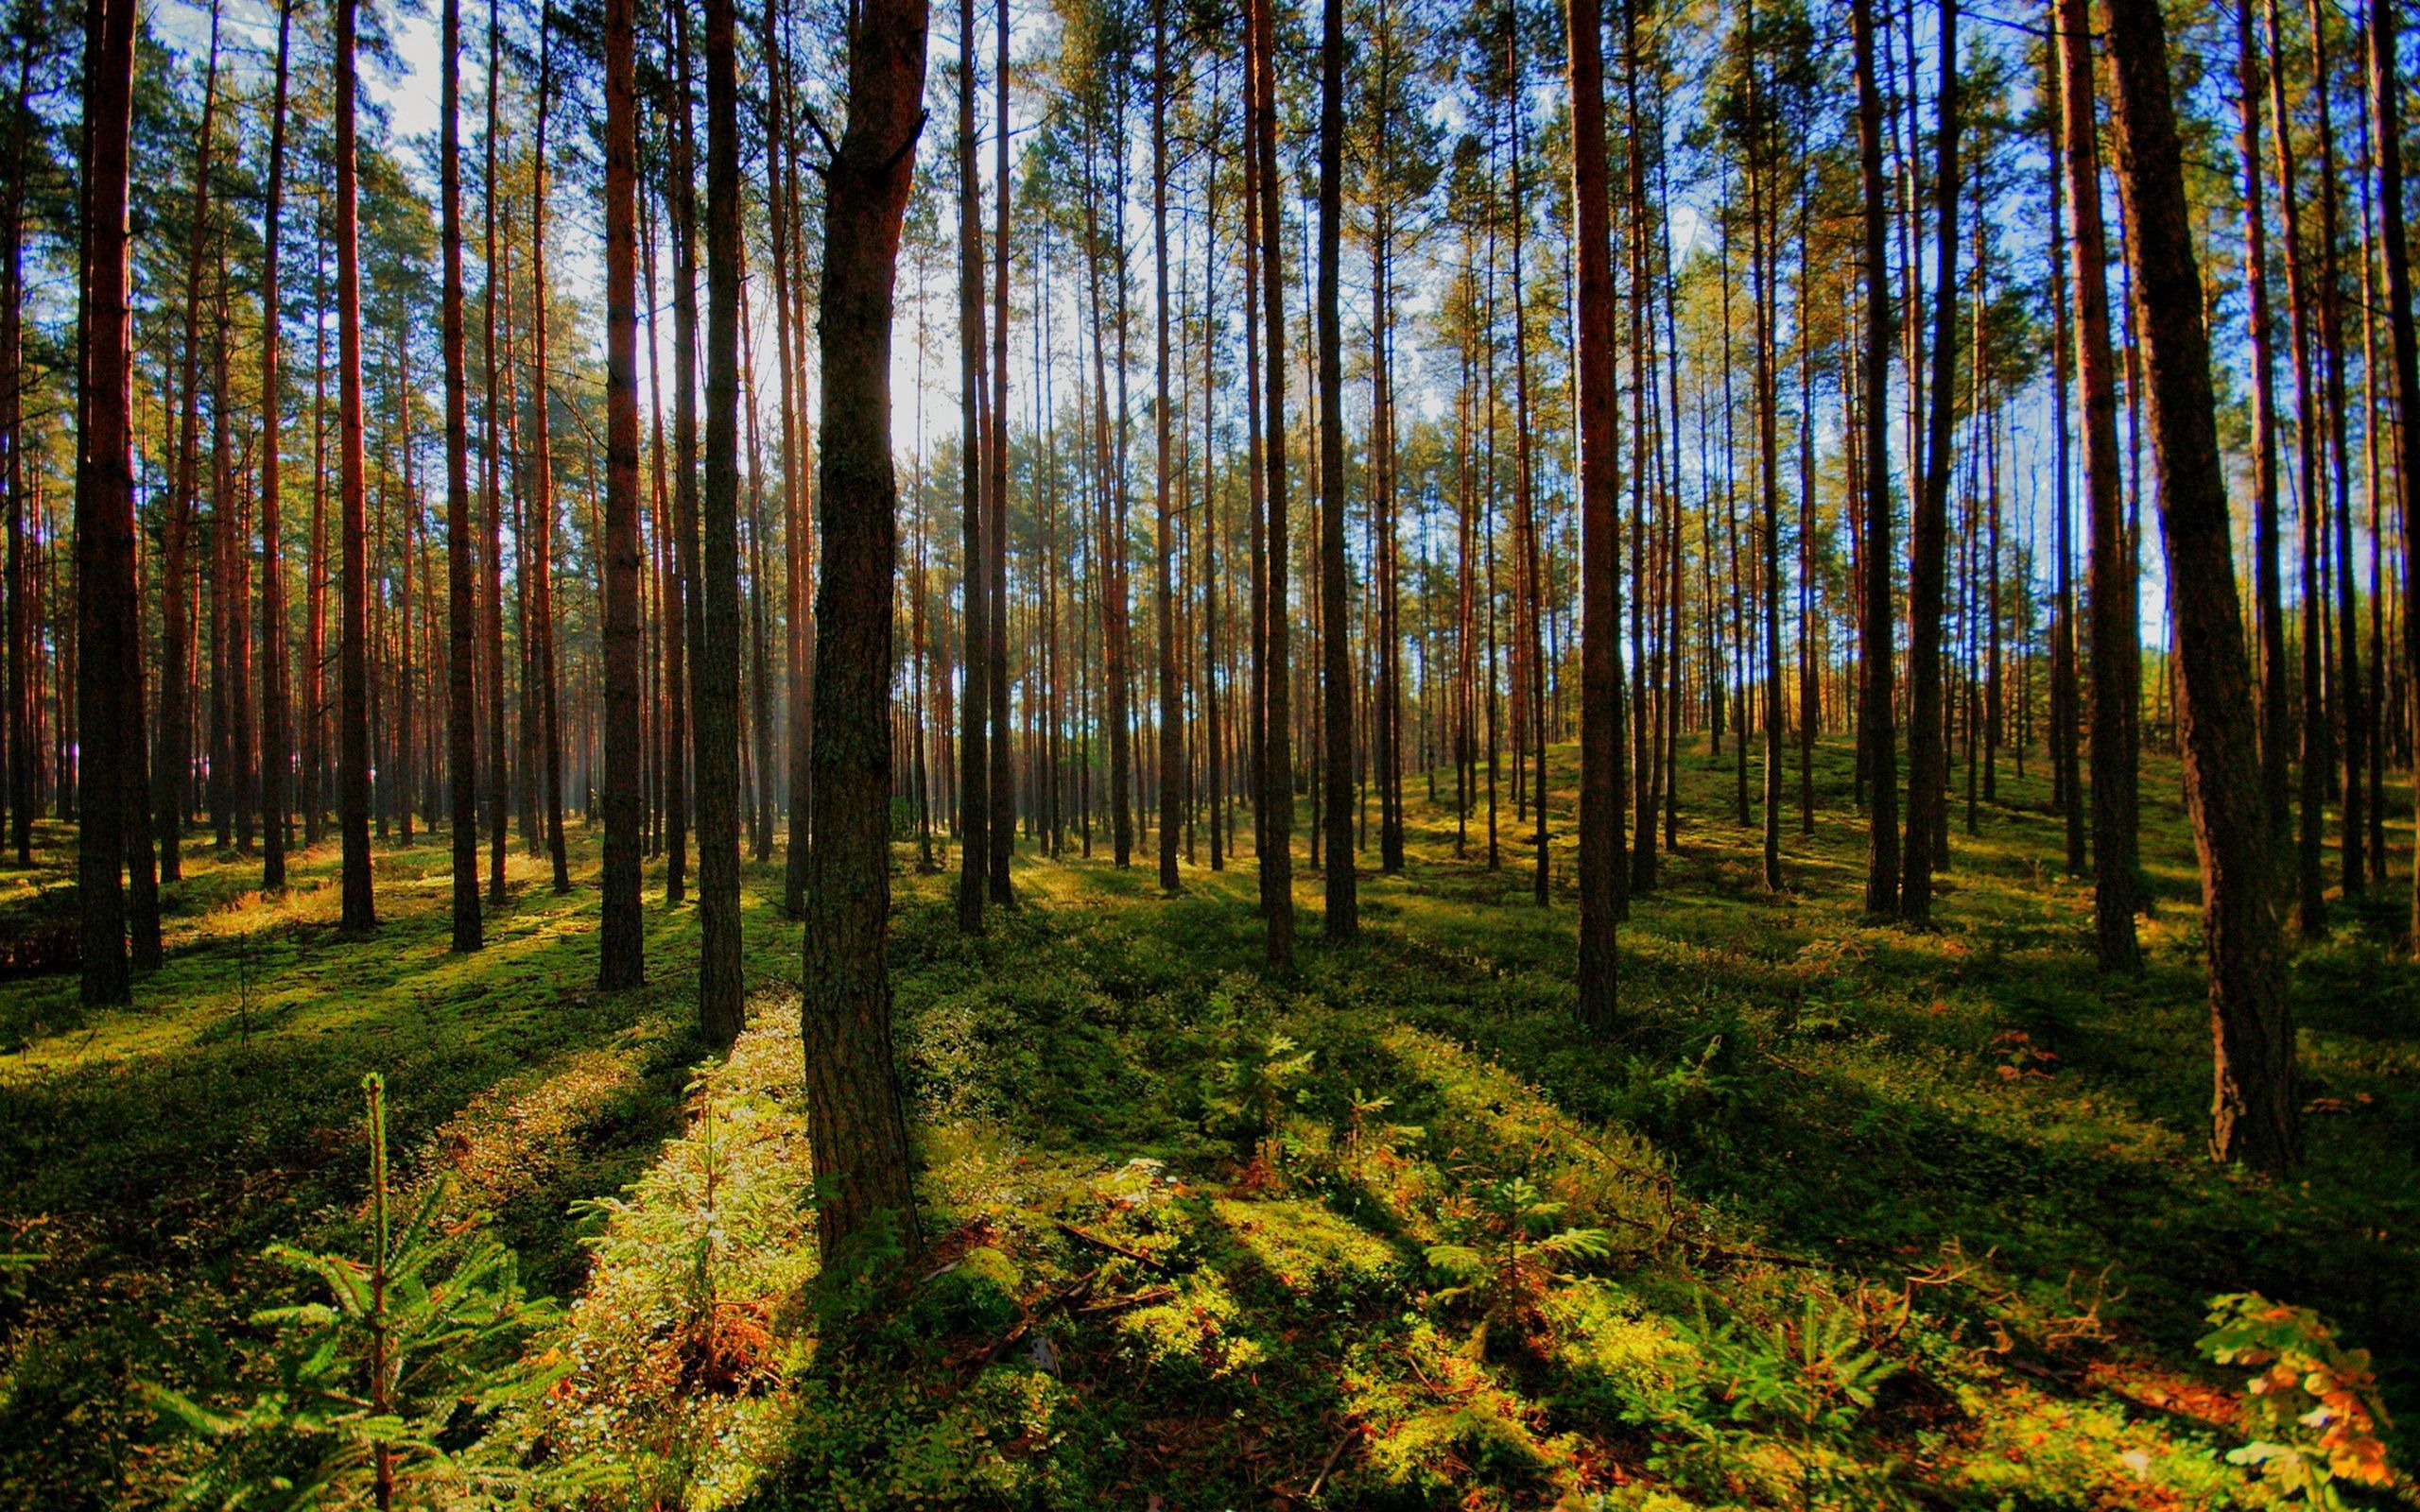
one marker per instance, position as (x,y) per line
(1628,755)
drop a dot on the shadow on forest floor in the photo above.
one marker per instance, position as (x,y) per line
(1216,1201)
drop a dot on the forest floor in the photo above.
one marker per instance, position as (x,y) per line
(1839,1215)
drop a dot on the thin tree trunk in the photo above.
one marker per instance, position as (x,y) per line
(315,589)
(2310,884)
(855,1120)
(975,576)
(1216,788)
(23,718)
(2268,595)
(172,764)
(1171,696)
(492,459)
(461,756)
(759,724)
(1810,711)
(539,546)
(1641,754)
(2066,768)
(621,938)
(1003,803)
(107,597)
(353,677)
(1928,750)
(277,741)
(1876,739)
(782,210)
(1343,918)
(721,1010)
(2254,1109)
(2116,652)
(2331,318)
(1530,594)
(689,635)
(2386,131)
(1600,668)
(1277,862)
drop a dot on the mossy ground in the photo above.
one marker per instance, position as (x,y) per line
(1885,1217)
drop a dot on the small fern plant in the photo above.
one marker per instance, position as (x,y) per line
(1815,1377)
(387,1389)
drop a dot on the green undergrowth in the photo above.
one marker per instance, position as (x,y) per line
(1837,1216)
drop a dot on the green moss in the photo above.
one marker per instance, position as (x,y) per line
(978,1294)
(1309,1250)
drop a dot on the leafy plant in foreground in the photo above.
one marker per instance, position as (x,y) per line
(386,1389)
(2311,1411)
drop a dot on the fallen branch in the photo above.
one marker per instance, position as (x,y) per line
(1053,1303)
(1112,1246)
(1142,1298)
(1350,1433)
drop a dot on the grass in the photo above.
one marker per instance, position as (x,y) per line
(1838,1215)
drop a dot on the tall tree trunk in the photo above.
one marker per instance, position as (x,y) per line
(352,673)
(396,792)
(788,265)
(2331,318)
(1004,787)
(277,742)
(23,707)
(1641,774)
(2268,595)
(220,761)
(2066,768)
(172,763)
(1810,703)
(1764,261)
(315,588)
(1171,696)
(974,574)
(621,941)
(2386,133)
(2310,884)
(1387,738)
(491,460)
(1928,750)
(760,713)
(1276,861)
(721,1006)
(1601,664)
(1343,918)
(539,548)
(107,597)
(1216,788)
(855,1120)
(1530,595)
(461,607)
(2254,1110)
(2117,651)
(220,791)
(688,631)
(1117,611)
(2373,456)
(1876,739)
